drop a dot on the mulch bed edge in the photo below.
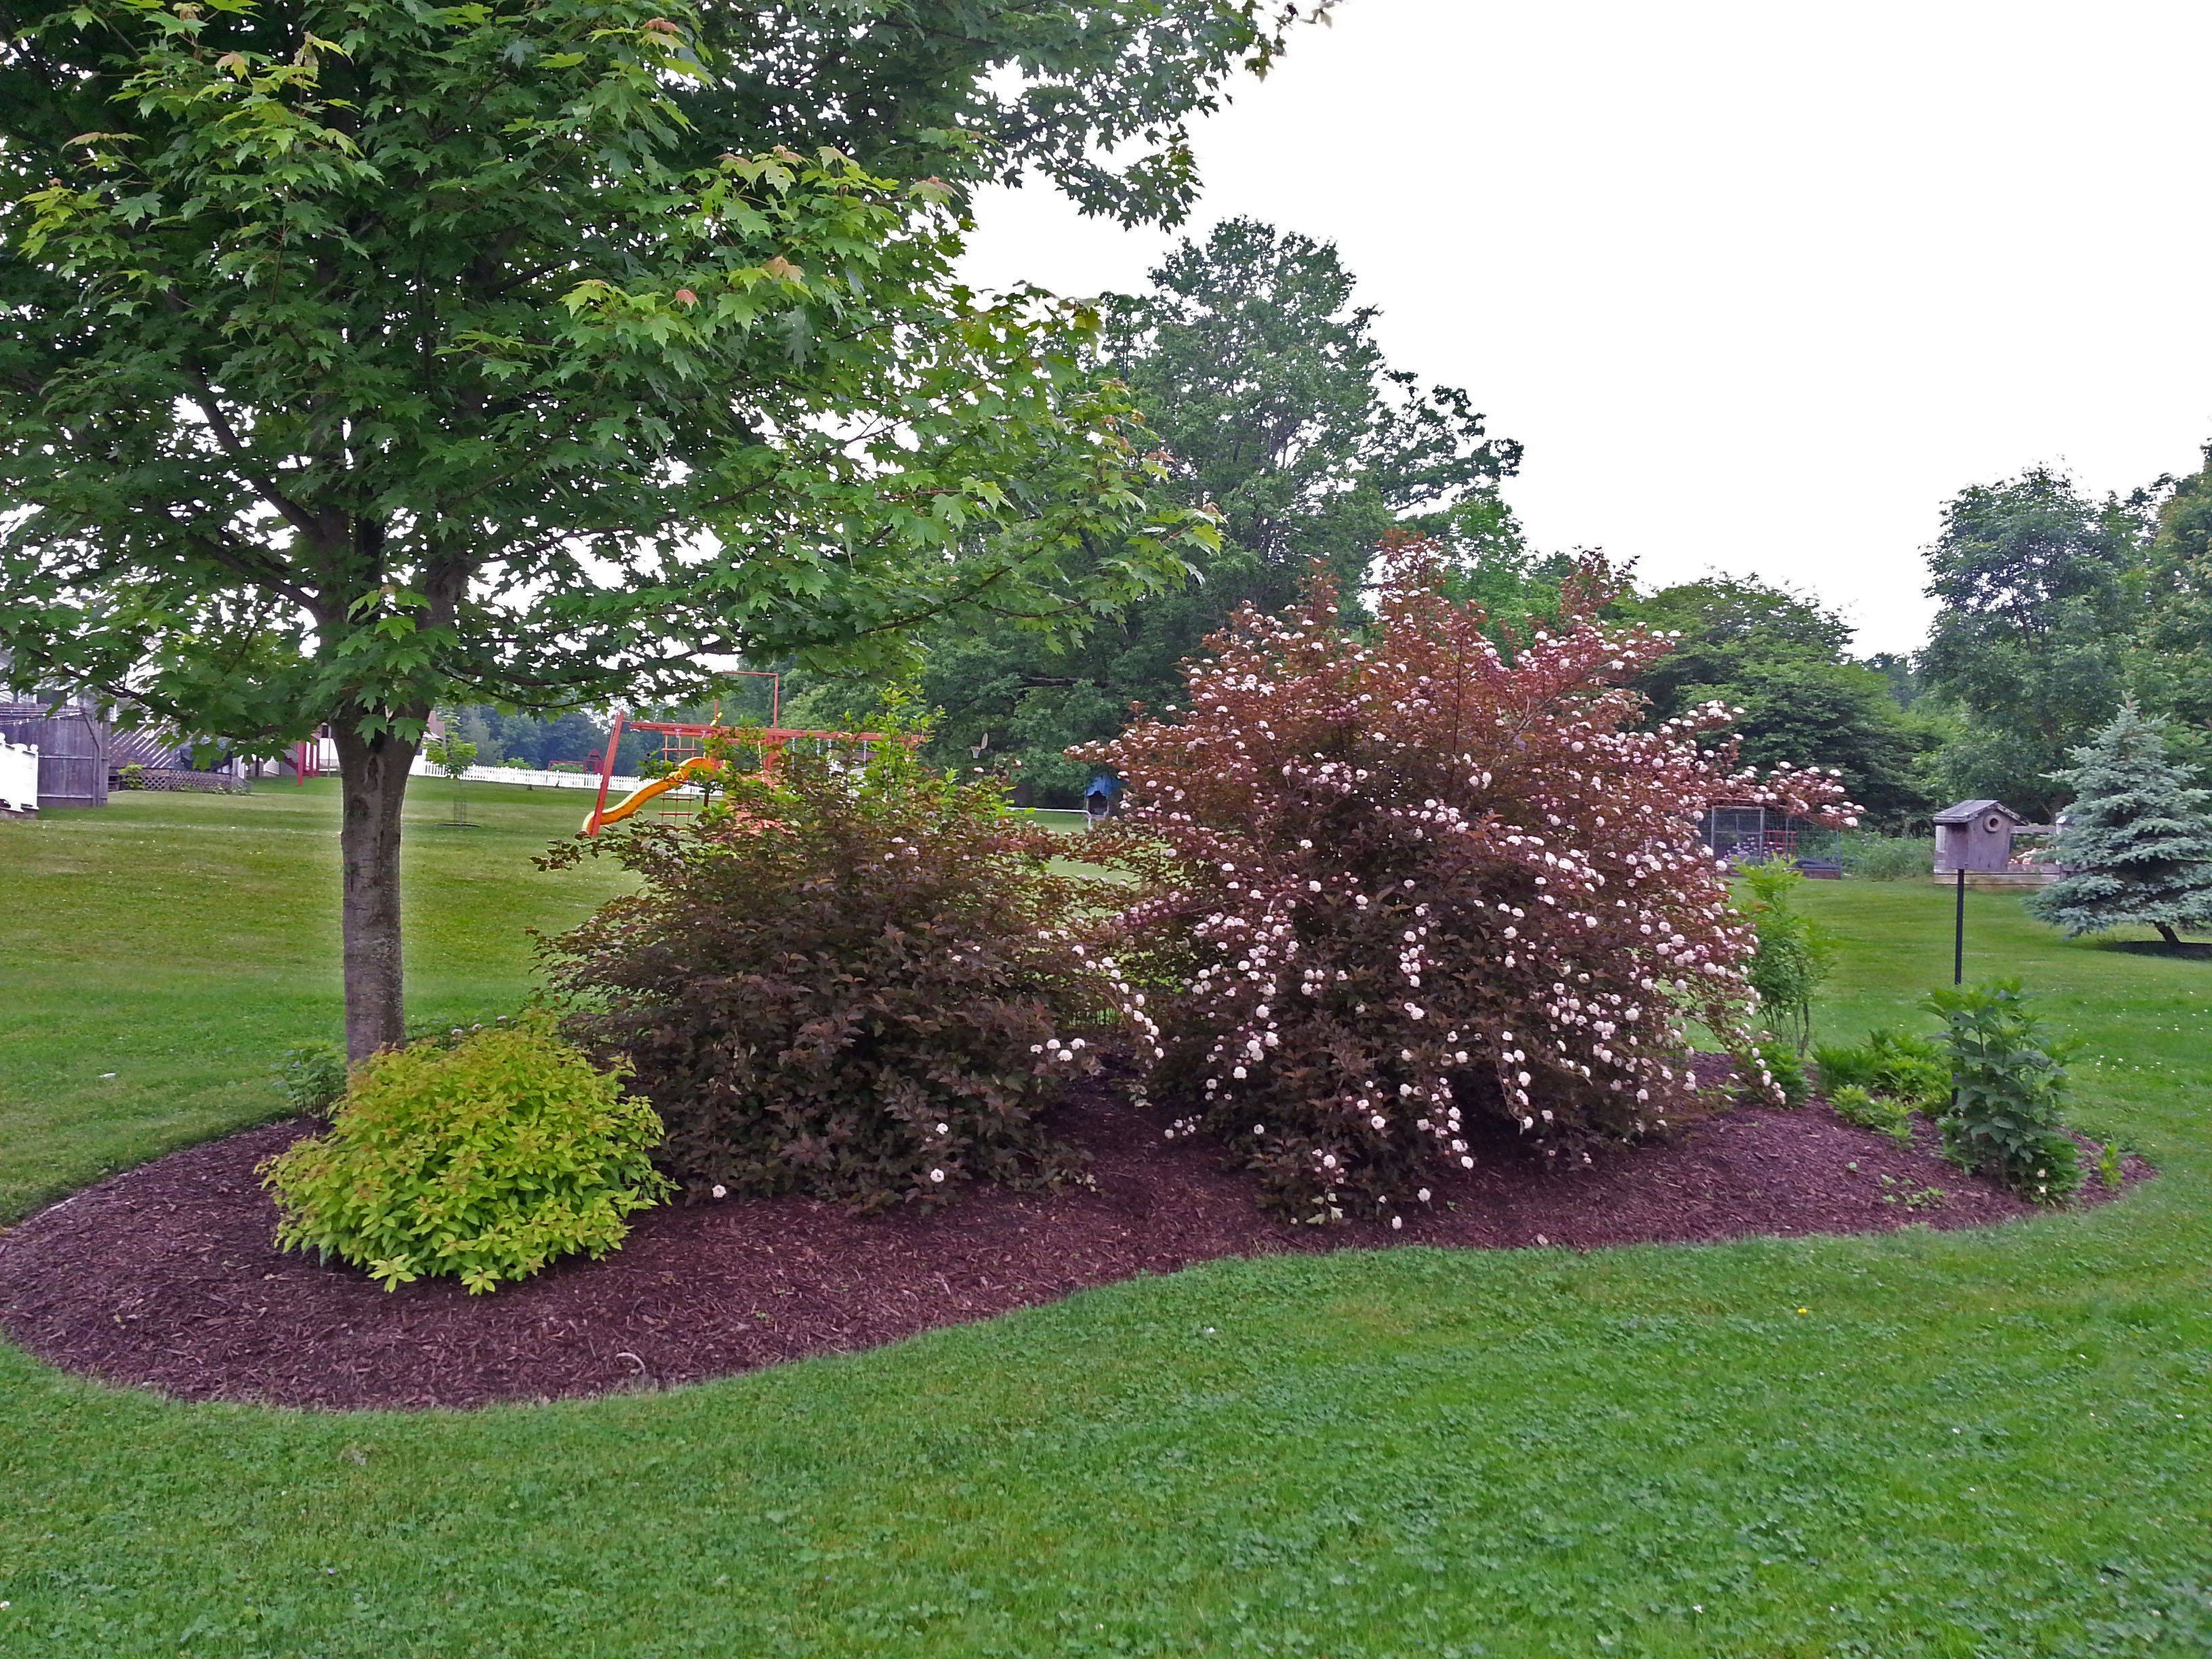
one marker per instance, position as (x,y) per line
(165,1276)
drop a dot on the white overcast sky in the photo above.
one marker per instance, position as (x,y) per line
(1759,286)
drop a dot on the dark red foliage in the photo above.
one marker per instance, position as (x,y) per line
(1400,880)
(853,983)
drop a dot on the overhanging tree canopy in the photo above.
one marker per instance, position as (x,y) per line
(358,356)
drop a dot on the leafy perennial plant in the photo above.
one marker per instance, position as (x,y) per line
(2008,1079)
(1403,885)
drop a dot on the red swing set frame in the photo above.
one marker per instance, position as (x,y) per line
(683,744)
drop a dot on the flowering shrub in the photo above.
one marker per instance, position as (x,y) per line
(1402,884)
(852,982)
(485,1158)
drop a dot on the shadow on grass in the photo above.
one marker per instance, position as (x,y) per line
(2187,950)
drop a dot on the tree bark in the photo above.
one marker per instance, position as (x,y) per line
(2166,932)
(372,785)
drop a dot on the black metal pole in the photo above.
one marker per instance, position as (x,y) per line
(1959,935)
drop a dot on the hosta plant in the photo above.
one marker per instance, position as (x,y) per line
(852,980)
(1403,885)
(484,1159)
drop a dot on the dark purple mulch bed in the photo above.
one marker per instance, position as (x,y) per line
(165,1276)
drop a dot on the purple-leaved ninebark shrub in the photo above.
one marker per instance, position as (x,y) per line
(1400,887)
(853,982)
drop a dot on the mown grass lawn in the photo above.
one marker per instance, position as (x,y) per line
(158,956)
(1990,1444)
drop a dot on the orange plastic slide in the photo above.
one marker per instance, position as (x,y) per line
(698,766)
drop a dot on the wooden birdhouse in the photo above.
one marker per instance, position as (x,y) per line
(1976,836)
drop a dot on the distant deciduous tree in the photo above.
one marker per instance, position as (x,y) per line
(1259,369)
(1780,658)
(2040,594)
(2175,677)
(452,755)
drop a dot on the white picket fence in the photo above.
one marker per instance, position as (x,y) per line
(616,788)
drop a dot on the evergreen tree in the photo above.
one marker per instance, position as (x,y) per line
(2137,844)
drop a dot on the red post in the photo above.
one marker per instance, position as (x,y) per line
(607,770)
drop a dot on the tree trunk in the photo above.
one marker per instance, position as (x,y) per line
(2166,932)
(372,784)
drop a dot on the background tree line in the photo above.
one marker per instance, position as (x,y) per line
(2056,607)
(1277,409)
(1261,374)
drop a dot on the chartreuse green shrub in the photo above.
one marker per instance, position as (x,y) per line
(2009,1080)
(485,1158)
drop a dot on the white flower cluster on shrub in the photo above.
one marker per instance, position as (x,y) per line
(1397,883)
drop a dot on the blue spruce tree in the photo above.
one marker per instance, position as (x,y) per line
(2137,844)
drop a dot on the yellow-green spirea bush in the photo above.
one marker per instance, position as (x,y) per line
(485,1159)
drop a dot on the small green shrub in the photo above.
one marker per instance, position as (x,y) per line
(1840,1065)
(133,776)
(1786,1069)
(2109,1169)
(1870,857)
(1911,1196)
(2009,1081)
(1795,953)
(1855,1105)
(312,1079)
(1903,1066)
(485,1159)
